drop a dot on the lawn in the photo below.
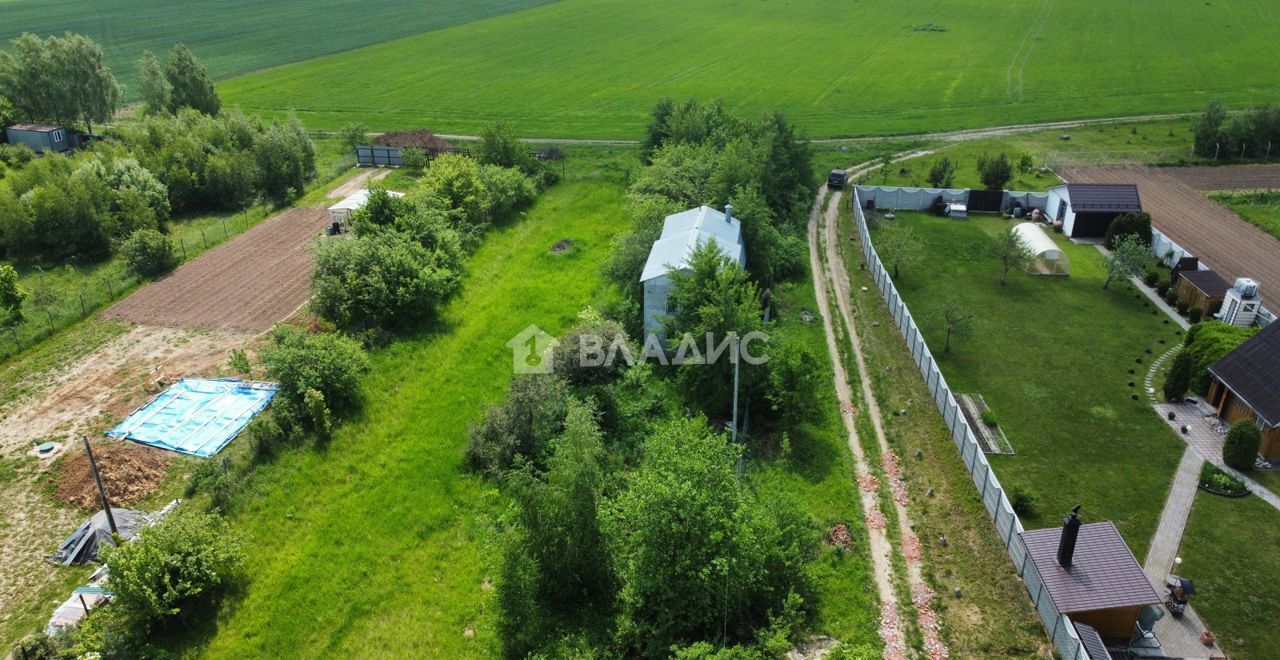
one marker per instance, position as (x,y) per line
(1229,549)
(237,36)
(593,68)
(1052,356)
(1260,208)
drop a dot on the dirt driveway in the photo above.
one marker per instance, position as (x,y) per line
(246,284)
(1223,241)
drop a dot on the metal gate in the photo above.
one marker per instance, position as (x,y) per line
(985,201)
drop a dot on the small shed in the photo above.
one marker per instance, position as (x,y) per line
(1245,384)
(1091,576)
(340,213)
(1085,210)
(39,137)
(1202,288)
(1049,258)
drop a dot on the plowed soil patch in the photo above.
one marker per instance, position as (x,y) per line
(129,473)
(1228,177)
(247,284)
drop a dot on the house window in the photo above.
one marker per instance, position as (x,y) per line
(57,136)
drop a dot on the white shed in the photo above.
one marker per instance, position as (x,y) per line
(1049,258)
(681,235)
(340,213)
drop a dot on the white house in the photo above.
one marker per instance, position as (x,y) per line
(340,213)
(681,235)
(1087,209)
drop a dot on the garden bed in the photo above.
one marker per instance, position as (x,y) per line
(1214,480)
(990,435)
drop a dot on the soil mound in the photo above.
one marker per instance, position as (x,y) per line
(129,473)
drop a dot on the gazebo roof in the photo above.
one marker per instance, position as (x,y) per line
(1103,574)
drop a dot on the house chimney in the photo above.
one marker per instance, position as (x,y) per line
(1067,544)
(728,212)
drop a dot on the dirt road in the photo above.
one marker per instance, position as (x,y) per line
(1223,241)
(246,284)
(361,180)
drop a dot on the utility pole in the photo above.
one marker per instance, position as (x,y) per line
(102,492)
(737,361)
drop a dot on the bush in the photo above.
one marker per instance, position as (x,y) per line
(1128,224)
(381,281)
(177,563)
(12,293)
(1182,307)
(1209,342)
(1022,501)
(989,418)
(1171,296)
(1178,380)
(325,362)
(1151,277)
(593,340)
(1162,289)
(1195,314)
(1241,447)
(149,253)
(16,155)
(414,158)
(520,426)
(1213,478)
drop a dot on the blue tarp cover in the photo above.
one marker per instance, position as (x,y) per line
(196,416)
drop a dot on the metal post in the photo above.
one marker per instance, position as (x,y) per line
(225,233)
(102,492)
(14,330)
(110,291)
(736,363)
(83,604)
(49,315)
(204,239)
(84,311)
(183,245)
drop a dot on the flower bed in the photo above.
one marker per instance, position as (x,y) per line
(1215,481)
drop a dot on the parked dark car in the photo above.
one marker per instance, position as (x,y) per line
(837,179)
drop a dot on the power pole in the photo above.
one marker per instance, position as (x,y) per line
(737,360)
(102,492)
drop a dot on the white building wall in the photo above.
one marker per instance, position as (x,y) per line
(656,292)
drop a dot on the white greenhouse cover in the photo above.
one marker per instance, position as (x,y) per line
(1049,258)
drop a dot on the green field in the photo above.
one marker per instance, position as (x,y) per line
(1051,356)
(1260,208)
(593,68)
(236,36)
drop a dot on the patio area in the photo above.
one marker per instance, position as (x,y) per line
(1205,434)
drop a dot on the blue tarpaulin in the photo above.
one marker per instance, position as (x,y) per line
(196,416)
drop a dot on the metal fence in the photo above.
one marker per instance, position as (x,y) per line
(997,503)
(368,156)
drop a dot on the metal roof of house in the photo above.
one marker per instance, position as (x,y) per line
(1104,197)
(1103,574)
(1092,642)
(1252,373)
(358,199)
(1207,281)
(683,232)
(36,128)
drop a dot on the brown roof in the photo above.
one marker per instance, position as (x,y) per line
(38,128)
(1103,574)
(1207,281)
(1252,372)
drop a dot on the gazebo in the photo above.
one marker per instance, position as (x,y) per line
(1049,258)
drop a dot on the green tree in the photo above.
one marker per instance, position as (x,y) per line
(189,83)
(181,561)
(500,146)
(956,321)
(942,173)
(899,247)
(455,180)
(521,426)
(1129,258)
(1026,165)
(1128,224)
(1011,251)
(699,557)
(149,253)
(354,134)
(59,79)
(1209,139)
(1240,449)
(328,363)
(286,160)
(380,281)
(995,172)
(12,293)
(1178,380)
(156,90)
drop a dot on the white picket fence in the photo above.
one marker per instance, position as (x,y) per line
(1007,525)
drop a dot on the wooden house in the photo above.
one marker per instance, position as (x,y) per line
(1245,384)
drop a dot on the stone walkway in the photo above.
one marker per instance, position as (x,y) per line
(1148,383)
(1207,443)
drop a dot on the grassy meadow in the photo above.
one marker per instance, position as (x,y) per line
(1052,356)
(1260,208)
(237,36)
(593,68)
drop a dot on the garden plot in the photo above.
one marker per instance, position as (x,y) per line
(992,435)
(247,284)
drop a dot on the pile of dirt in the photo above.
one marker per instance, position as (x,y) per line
(129,473)
(421,138)
(561,246)
(838,536)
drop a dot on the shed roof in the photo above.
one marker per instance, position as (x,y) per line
(358,199)
(1104,197)
(1207,281)
(1252,372)
(1103,574)
(35,128)
(683,232)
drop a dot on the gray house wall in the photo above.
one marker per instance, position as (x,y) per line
(656,292)
(39,141)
